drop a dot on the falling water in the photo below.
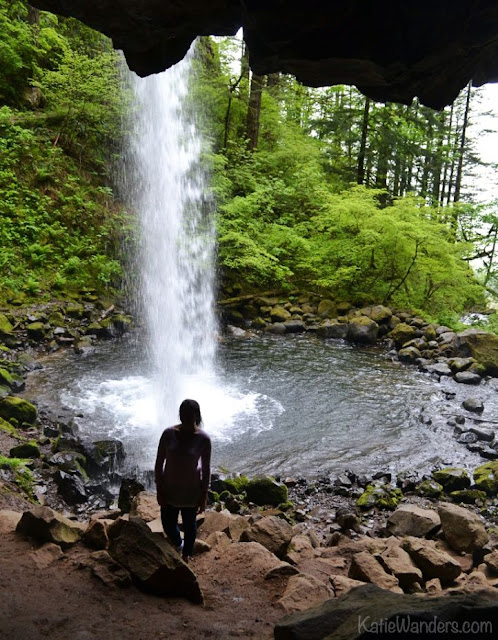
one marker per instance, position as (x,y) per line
(167,188)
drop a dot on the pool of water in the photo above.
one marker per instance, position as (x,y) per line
(291,405)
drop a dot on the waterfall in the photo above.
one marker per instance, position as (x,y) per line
(167,187)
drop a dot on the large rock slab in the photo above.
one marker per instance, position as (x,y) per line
(452,478)
(302,592)
(144,505)
(369,608)
(153,563)
(398,562)
(45,525)
(486,478)
(9,520)
(480,345)
(363,330)
(367,568)
(463,529)
(433,562)
(273,533)
(410,520)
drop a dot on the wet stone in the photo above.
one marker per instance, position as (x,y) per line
(467,377)
(467,438)
(474,405)
(487,435)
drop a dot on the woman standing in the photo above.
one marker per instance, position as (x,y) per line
(182,484)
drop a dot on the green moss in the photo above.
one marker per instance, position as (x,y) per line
(429,489)
(381,496)
(468,496)
(9,428)
(14,408)
(486,478)
(265,490)
(23,477)
(452,479)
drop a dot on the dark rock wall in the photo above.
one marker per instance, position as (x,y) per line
(391,50)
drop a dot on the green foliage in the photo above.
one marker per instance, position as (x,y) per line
(60,229)
(23,476)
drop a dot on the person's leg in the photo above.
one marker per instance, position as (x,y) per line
(189,529)
(169,519)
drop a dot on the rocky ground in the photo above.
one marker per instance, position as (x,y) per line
(263,553)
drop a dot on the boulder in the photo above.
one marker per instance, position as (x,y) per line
(216,521)
(473,405)
(402,333)
(263,490)
(379,314)
(409,354)
(463,530)
(429,488)
(272,533)
(37,330)
(6,329)
(144,505)
(491,561)
(333,329)
(433,562)
(468,496)
(277,328)
(467,377)
(486,478)
(95,535)
(365,567)
(410,520)
(108,571)
(8,520)
(382,496)
(362,330)
(70,487)
(460,364)
(294,326)
(45,525)
(480,345)
(302,592)
(488,435)
(327,309)
(129,488)
(300,548)
(452,479)
(25,450)
(68,461)
(279,314)
(46,555)
(19,409)
(282,569)
(368,611)
(398,563)
(438,369)
(218,540)
(153,563)
(237,524)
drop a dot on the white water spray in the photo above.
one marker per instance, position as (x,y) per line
(168,190)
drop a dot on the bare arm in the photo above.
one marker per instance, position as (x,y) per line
(205,475)
(160,459)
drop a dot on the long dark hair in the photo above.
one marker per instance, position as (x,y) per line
(190,413)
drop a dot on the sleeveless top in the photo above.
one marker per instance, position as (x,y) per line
(182,468)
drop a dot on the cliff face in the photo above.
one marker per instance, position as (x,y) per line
(390,50)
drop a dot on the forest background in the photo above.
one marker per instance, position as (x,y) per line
(316,190)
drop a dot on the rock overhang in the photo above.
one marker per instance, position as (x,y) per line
(391,51)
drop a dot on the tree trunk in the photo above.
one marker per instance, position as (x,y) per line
(254,111)
(363,143)
(458,180)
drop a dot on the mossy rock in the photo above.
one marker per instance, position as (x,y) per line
(75,310)
(56,319)
(486,478)
(258,323)
(452,479)
(264,490)
(36,331)
(6,378)
(402,333)
(121,323)
(468,496)
(379,314)
(327,309)
(25,450)
(429,489)
(6,427)
(480,345)
(18,409)
(279,314)
(6,327)
(382,496)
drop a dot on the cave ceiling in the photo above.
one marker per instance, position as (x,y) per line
(390,49)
